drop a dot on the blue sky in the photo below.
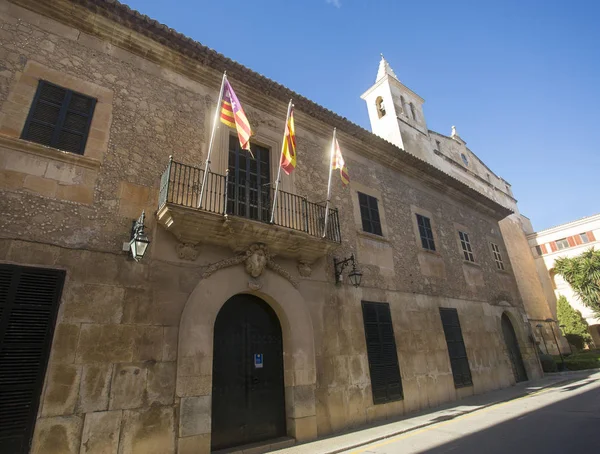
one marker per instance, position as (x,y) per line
(518,78)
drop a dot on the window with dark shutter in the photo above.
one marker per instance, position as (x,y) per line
(369,213)
(386,384)
(425,232)
(28,306)
(59,118)
(456,348)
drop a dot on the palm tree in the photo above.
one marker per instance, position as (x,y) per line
(583,275)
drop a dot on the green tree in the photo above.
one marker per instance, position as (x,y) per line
(583,275)
(576,328)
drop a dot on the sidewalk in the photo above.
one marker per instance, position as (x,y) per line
(370,434)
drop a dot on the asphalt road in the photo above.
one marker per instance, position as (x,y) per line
(563,419)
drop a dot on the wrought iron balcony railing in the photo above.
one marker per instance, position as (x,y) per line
(181,185)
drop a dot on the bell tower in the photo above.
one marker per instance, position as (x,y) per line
(395,111)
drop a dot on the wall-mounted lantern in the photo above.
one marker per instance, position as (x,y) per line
(355,275)
(139,240)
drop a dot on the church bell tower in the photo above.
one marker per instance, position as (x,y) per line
(395,111)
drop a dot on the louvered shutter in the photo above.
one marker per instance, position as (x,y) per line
(28,306)
(456,348)
(386,383)
(59,118)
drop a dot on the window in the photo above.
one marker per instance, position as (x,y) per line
(59,118)
(412,111)
(369,213)
(562,244)
(464,158)
(380,106)
(425,233)
(497,256)
(466,246)
(584,238)
(439,145)
(403,107)
(386,383)
(456,348)
(538,249)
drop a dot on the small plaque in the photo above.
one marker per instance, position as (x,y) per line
(258,360)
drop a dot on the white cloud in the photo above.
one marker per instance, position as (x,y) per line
(336,3)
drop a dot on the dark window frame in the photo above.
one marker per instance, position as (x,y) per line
(425,232)
(64,109)
(538,249)
(465,244)
(382,355)
(498,257)
(369,214)
(563,243)
(457,352)
(584,238)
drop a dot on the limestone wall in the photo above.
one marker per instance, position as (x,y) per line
(117,378)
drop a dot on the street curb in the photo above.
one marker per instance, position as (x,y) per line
(571,372)
(431,423)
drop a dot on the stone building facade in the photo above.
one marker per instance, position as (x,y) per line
(135,347)
(565,240)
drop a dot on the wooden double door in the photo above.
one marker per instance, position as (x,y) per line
(248,401)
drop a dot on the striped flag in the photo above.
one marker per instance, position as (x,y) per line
(339,163)
(288,152)
(233,116)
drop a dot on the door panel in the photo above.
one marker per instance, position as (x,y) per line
(28,306)
(512,347)
(248,396)
(249,191)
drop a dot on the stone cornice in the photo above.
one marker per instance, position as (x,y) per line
(13,143)
(124,28)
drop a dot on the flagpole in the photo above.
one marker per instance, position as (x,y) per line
(287,117)
(329,182)
(212,139)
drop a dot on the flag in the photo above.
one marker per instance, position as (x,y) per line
(233,115)
(339,163)
(288,151)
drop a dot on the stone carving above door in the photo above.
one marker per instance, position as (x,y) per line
(255,259)
(187,251)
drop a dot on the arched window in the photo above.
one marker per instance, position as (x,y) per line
(412,111)
(402,105)
(380,106)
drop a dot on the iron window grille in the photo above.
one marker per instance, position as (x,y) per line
(386,384)
(369,213)
(59,118)
(466,246)
(456,348)
(425,232)
(497,256)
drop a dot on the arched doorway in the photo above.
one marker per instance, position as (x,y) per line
(248,401)
(512,347)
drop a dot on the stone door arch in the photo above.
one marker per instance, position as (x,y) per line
(195,349)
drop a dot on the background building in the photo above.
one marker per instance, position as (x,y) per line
(565,240)
(230,329)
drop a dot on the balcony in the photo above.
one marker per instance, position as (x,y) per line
(236,214)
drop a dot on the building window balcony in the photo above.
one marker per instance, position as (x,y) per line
(236,212)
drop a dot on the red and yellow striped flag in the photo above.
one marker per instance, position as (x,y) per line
(288,152)
(339,163)
(233,116)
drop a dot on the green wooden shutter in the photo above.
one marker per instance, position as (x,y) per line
(456,348)
(386,383)
(28,306)
(59,118)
